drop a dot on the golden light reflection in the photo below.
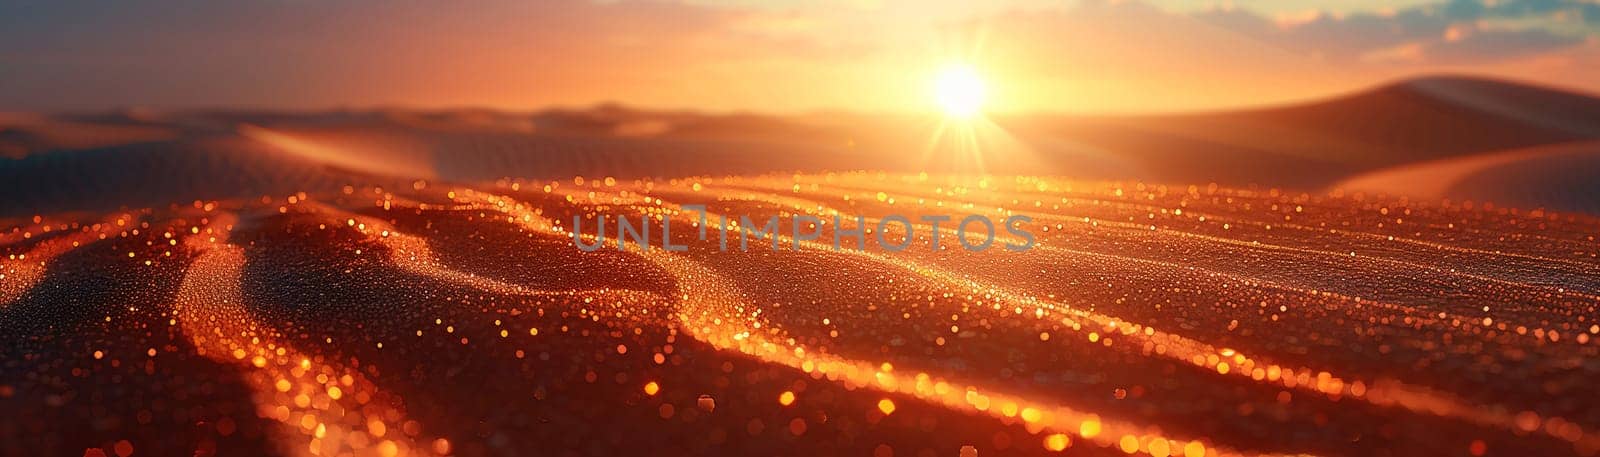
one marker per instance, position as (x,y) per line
(1103,292)
(307,394)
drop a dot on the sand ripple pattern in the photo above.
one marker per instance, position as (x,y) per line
(462,320)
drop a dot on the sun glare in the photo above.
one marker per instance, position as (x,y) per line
(959,91)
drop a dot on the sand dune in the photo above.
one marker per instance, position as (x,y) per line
(461,320)
(1312,145)
(1564,176)
(22,134)
(140,159)
(161,174)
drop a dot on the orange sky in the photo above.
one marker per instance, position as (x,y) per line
(861,55)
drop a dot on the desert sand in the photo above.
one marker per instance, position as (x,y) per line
(1297,280)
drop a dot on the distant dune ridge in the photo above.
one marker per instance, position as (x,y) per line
(323,300)
(1484,139)
(1562,175)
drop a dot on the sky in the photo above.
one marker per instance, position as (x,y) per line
(780,56)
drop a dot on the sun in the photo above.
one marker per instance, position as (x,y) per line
(959,91)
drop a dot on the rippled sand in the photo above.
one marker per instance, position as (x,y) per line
(441,320)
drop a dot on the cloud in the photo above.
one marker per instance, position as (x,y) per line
(1476,45)
(1453,32)
(1474,9)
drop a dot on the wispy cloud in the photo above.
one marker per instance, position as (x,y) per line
(1453,32)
